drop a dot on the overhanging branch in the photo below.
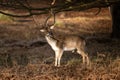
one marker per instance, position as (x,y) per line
(75,5)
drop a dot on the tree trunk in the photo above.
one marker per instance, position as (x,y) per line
(115,13)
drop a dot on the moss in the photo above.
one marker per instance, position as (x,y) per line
(6,18)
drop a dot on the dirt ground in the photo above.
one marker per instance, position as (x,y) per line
(25,54)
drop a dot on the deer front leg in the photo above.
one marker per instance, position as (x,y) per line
(58,55)
(56,58)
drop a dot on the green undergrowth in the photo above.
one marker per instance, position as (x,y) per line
(6,18)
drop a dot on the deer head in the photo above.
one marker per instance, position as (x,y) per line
(47,29)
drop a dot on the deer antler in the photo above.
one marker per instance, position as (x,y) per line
(53,2)
(45,23)
(37,24)
(51,14)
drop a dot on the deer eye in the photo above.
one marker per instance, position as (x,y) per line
(50,33)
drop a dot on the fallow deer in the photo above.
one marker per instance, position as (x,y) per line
(67,43)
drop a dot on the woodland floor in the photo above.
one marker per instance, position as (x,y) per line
(25,54)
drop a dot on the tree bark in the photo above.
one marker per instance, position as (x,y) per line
(115,13)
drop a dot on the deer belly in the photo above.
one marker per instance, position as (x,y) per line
(69,48)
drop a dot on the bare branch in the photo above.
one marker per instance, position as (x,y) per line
(99,10)
(23,15)
(73,5)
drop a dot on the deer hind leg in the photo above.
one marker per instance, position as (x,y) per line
(88,60)
(84,56)
(58,55)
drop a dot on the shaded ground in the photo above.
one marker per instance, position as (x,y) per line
(25,54)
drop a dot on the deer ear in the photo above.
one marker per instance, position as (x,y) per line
(42,30)
(52,27)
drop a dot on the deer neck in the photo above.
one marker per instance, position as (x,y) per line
(50,39)
(56,44)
